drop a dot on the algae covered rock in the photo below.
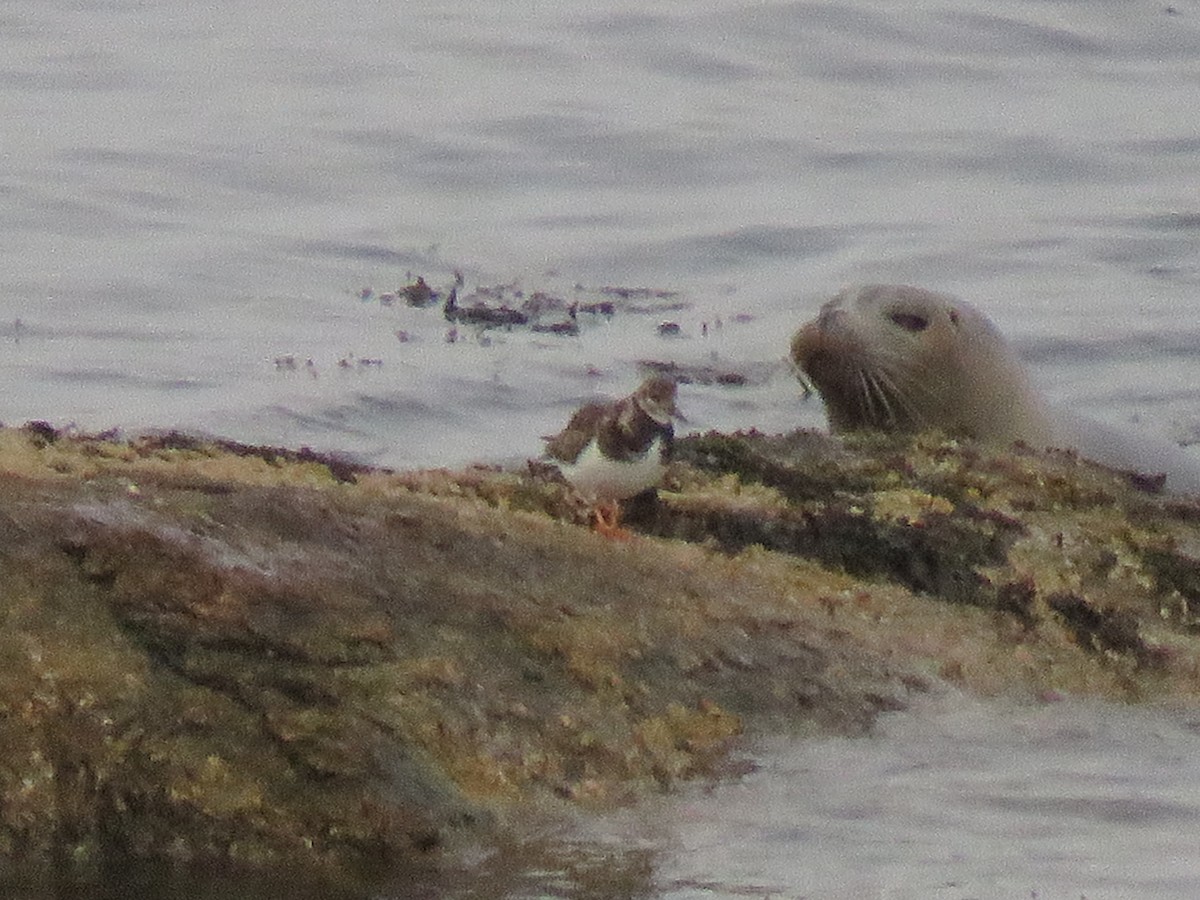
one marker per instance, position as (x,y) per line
(283,661)
(231,656)
(1051,542)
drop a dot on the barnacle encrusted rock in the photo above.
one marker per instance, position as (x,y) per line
(282,660)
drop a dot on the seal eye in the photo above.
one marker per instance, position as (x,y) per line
(910,321)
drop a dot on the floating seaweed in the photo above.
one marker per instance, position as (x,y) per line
(480,314)
(419,293)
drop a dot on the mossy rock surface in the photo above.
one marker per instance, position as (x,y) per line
(282,661)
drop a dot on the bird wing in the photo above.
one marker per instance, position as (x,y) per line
(569,443)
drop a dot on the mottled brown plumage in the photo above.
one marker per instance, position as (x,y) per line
(610,451)
(623,428)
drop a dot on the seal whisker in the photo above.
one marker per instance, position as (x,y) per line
(881,391)
(901,391)
(881,403)
(867,396)
(862,395)
(914,394)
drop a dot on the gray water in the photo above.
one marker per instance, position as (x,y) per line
(964,801)
(189,192)
(951,801)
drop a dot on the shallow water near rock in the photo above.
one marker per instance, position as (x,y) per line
(972,800)
(955,799)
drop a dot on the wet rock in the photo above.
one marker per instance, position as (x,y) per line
(279,660)
(211,653)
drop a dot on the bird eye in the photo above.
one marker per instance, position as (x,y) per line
(910,321)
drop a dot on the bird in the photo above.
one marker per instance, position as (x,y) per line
(611,451)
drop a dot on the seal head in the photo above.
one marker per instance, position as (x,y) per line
(901,358)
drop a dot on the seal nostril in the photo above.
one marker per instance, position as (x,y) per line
(910,321)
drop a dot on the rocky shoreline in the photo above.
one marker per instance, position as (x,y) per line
(286,662)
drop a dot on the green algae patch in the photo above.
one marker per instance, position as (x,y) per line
(272,659)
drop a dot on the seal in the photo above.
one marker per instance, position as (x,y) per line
(902,358)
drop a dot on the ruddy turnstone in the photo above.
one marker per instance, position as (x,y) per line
(611,451)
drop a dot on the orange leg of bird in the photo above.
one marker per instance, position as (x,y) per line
(608,521)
